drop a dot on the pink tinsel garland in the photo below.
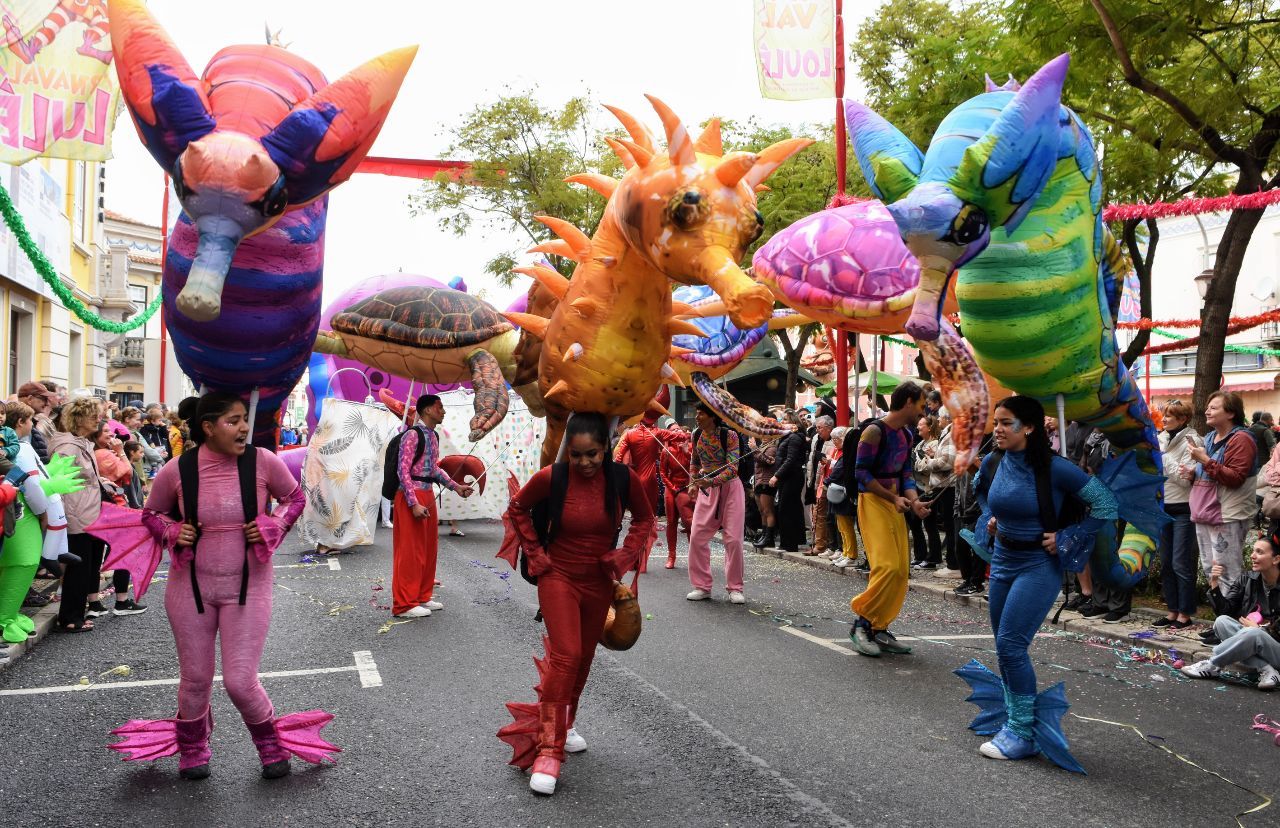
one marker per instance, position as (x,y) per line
(1192,206)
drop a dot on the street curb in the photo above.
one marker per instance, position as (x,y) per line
(1189,649)
(44,618)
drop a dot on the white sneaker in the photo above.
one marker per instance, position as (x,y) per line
(386,524)
(415,612)
(573,742)
(434,606)
(698,595)
(736,597)
(543,783)
(1201,669)
(842,562)
(834,555)
(1268,678)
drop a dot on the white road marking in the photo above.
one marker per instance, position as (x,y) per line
(368,669)
(364,666)
(834,643)
(821,642)
(334,565)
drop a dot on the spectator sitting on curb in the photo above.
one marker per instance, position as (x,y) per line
(1248,620)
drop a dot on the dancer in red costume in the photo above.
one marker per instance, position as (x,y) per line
(575,557)
(674,470)
(641,450)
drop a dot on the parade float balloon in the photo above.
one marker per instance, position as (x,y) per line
(252,146)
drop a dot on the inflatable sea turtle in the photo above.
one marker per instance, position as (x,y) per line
(849,269)
(433,335)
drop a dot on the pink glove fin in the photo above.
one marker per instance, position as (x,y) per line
(299,733)
(146,740)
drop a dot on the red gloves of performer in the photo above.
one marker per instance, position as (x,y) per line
(617,563)
(539,561)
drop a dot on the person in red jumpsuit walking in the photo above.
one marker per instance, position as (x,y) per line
(674,471)
(576,559)
(640,449)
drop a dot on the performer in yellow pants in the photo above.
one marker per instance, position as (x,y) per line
(884,531)
(886,491)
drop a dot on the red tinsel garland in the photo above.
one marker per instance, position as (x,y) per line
(1237,323)
(1192,206)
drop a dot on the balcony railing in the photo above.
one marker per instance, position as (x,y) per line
(1269,331)
(130,352)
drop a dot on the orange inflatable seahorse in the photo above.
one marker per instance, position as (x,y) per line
(686,215)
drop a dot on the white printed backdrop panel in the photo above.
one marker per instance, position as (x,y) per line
(342,473)
(514,446)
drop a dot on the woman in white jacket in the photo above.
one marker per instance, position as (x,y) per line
(1178,549)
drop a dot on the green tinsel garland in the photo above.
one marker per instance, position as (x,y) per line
(19,229)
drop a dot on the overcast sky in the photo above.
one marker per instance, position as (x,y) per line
(697,55)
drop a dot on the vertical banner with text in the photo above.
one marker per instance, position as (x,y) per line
(795,51)
(58,93)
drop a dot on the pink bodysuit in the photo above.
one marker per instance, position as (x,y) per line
(219,559)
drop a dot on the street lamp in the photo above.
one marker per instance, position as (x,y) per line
(1203,280)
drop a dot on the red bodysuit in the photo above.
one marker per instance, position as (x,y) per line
(639,448)
(575,590)
(674,470)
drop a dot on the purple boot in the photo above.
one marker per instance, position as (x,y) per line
(193,745)
(274,756)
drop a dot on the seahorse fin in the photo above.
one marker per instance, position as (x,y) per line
(586,305)
(734,167)
(573,353)
(535,325)
(548,278)
(602,184)
(560,387)
(639,133)
(624,155)
(577,240)
(671,375)
(679,144)
(682,309)
(772,156)
(709,142)
(641,155)
(677,351)
(556,247)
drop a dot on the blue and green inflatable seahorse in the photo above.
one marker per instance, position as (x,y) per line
(1010,189)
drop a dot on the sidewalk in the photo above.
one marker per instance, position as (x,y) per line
(44,618)
(1187,644)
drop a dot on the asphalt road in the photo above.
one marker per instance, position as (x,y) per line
(721,715)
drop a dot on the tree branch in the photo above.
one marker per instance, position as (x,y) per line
(1158,142)
(1138,81)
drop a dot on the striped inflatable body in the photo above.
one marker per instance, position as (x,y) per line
(270,312)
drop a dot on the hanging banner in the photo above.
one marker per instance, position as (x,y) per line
(58,93)
(1130,298)
(795,48)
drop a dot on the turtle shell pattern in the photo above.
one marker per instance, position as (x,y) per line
(423,317)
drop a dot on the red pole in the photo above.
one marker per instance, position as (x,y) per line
(840,346)
(842,140)
(164,253)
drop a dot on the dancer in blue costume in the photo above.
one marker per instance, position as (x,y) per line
(1027,559)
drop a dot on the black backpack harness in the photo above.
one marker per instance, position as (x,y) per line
(546,513)
(189,475)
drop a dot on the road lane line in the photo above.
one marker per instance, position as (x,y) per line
(821,642)
(368,672)
(334,565)
(368,669)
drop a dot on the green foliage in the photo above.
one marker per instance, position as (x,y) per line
(520,152)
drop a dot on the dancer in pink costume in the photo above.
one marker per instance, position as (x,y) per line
(220,585)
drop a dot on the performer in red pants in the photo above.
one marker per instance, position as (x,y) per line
(640,449)
(570,542)
(415,536)
(674,471)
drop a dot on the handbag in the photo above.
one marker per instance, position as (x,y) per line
(836,493)
(1205,506)
(622,624)
(1271,503)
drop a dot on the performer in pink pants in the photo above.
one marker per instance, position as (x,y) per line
(220,586)
(720,504)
